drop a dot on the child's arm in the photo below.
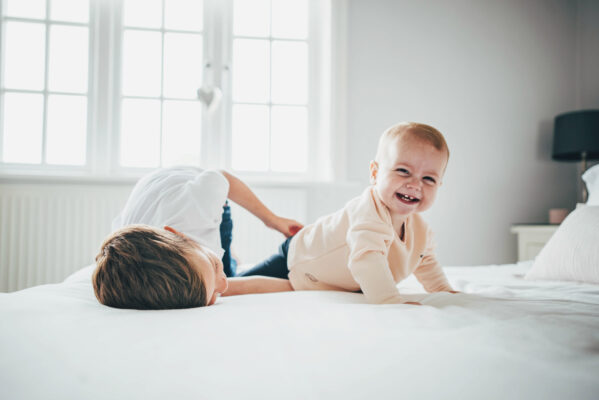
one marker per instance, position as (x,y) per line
(241,194)
(256,284)
(430,273)
(432,277)
(368,262)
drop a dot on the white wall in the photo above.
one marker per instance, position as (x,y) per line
(588,30)
(491,75)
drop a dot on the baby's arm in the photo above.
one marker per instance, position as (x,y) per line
(369,265)
(429,272)
(432,277)
(241,194)
(256,284)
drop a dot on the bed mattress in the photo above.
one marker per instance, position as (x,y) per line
(502,337)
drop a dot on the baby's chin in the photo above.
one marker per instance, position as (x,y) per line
(406,210)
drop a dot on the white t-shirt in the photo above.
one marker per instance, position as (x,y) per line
(188,199)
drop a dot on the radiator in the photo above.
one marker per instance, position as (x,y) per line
(48,231)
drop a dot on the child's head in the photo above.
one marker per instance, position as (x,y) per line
(409,167)
(142,267)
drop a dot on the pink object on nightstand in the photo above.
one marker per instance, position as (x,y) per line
(557,215)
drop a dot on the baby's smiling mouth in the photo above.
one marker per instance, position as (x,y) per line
(404,198)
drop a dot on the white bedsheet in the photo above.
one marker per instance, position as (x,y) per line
(502,338)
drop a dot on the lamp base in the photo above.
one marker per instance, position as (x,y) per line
(585,192)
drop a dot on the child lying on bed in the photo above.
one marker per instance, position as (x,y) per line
(149,264)
(378,238)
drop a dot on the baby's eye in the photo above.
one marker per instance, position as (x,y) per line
(403,171)
(430,180)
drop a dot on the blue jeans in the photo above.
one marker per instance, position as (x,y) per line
(226,237)
(274,266)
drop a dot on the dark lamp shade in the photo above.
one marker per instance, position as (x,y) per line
(576,132)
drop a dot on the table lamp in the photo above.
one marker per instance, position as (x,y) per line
(576,138)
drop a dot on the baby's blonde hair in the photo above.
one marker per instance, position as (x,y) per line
(421,131)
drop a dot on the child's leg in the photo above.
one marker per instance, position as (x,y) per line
(275,266)
(226,237)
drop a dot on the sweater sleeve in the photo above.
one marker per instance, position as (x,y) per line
(369,243)
(429,273)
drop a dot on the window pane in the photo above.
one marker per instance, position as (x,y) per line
(142,60)
(184,14)
(66,130)
(26,8)
(142,13)
(140,133)
(290,19)
(182,65)
(181,133)
(289,72)
(250,138)
(289,139)
(69,10)
(25,56)
(68,59)
(22,128)
(251,18)
(251,70)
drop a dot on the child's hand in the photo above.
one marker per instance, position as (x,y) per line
(287,227)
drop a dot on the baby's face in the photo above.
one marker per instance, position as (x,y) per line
(211,269)
(408,175)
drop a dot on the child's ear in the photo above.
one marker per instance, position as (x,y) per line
(171,230)
(374,169)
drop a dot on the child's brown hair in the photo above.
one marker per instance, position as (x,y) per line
(143,268)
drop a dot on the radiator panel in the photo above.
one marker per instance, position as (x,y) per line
(49,231)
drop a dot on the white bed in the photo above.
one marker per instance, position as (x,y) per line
(503,337)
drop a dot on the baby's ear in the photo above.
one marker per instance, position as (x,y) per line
(374,169)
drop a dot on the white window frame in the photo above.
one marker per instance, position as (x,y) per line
(326,100)
(43,168)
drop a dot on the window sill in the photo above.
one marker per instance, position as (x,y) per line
(87,179)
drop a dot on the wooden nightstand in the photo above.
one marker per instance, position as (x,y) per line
(532,238)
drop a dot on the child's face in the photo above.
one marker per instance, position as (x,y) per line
(211,269)
(408,175)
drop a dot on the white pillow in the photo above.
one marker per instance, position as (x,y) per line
(572,253)
(591,178)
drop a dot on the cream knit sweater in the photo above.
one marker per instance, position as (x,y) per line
(356,248)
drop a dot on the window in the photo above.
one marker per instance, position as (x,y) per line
(45,76)
(129,85)
(162,58)
(270,86)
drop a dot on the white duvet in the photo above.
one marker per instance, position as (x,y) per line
(502,338)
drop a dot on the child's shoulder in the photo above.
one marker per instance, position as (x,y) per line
(418,226)
(368,207)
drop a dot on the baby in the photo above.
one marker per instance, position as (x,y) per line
(378,238)
(171,246)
